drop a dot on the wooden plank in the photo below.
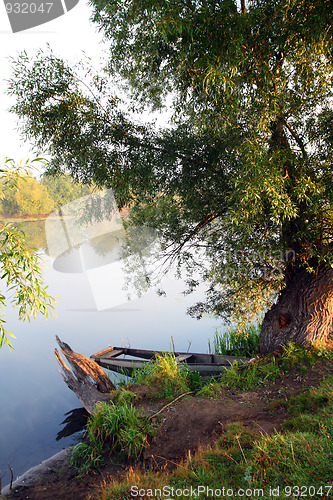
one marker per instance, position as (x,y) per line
(208,370)
(141,353)
(113,354)
(109,355)
(221,358)
(183,357)
(109,352)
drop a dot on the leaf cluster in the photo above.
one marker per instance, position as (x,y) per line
(20,272)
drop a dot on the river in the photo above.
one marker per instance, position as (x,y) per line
(33,395)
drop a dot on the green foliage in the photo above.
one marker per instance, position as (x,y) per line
(121,427)
(240,183)
(121,396)
(311,411)
(62,189)
(262,371)
(114,429)
(29,197)
(170,377)
(235,342)
(20,266)
(33,197)
(258,373)
(87,457)
(194,380)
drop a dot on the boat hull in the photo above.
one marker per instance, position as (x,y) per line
(208,365)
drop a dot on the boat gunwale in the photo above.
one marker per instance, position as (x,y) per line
(207,364)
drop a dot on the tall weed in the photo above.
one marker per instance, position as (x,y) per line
(120,427)
(170,377)
(117,429)
(234,342)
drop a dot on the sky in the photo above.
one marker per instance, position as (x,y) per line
(68,36)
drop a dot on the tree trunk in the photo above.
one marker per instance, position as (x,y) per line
(303,313)
(89,382)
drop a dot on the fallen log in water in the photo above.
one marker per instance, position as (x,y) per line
(87,379)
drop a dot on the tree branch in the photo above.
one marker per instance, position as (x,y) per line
(206,220)
(297,139)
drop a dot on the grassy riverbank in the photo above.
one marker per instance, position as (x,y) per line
(261,432)
(295,460)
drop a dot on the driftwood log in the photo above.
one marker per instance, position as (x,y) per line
(87,379)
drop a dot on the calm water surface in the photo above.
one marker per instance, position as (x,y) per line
(33,395)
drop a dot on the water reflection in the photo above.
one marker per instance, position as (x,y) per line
(35,232)
(33,396)
(91,254)
(75,421)
(89,236)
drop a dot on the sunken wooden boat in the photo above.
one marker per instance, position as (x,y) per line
(208,365)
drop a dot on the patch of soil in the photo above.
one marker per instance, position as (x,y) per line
(185,425)
(56,479)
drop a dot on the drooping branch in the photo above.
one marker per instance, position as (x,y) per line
(243,7)
(207,219)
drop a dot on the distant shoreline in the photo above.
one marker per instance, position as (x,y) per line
(124,212)
(30,218)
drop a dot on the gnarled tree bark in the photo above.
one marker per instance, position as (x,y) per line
(87,379)
(303,313)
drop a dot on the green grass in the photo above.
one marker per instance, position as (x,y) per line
(120,427)
(122,395)
(116,429)
(233,342)
(300,455)
(312,410)
(86,457)
(170,377)
(264,371)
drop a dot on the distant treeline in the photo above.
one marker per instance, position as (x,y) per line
(36,197)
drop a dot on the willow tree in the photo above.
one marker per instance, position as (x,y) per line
(241,179)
